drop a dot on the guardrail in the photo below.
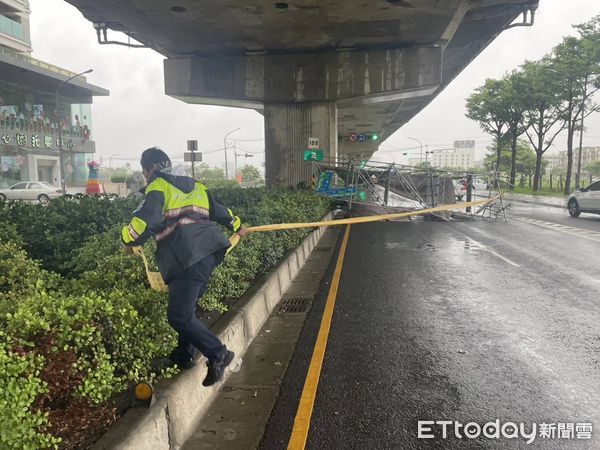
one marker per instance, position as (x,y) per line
(38,63)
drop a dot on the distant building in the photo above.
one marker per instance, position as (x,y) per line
(553,161)
(462,156)
(29,113)
(588,155)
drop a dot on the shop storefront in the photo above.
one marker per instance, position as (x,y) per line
(31,120)
(35,156)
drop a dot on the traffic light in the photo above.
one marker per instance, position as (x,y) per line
(374,137)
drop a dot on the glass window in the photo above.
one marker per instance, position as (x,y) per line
(19,186)
(13,168)
(34,186)
(594,187)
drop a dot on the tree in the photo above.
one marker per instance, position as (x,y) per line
(486,107)
(213,177)
(575,61)
(206,173)
(115,174)
(250,173)
(542,116)
(590,44)
(525,161)
(511,99)
(594,168)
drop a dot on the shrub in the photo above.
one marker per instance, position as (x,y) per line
(20,276)
(72,340)
(53,233)
(22,427)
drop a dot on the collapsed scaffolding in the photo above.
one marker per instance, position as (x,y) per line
(378,187)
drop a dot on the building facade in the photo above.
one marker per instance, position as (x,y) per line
(553,162)
(462,156)
(588,155)
(34,102)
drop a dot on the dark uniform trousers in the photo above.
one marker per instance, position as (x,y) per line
(184,292)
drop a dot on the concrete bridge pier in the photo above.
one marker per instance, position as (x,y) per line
(288,126)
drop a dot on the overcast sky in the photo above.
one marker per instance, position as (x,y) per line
(138,114)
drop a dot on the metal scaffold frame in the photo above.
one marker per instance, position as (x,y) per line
(396,187)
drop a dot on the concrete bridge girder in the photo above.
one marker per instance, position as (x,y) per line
(316,77)
(302,93)
(368,67)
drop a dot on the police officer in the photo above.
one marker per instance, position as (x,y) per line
(181,214)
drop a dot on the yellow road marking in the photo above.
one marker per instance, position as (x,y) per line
(309,392)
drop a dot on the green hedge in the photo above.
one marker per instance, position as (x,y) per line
(80,323)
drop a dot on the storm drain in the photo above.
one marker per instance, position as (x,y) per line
(322,249)
(293,305)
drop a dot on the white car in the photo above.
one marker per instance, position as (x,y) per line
(585,200)
(479,185)
(31,190)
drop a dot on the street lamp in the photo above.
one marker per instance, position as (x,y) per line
(225,148)
(60,146)
(420,143)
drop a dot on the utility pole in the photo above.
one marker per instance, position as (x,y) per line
(421,144)
(225,148)
(236,155)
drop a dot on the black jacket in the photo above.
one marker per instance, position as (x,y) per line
(183,222)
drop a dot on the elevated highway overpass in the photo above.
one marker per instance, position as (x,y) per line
(330,70)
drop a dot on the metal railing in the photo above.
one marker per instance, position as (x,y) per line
(38,63)
(40,127)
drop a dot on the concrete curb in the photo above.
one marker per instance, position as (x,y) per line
(510,198)
(532,202)
(181,402)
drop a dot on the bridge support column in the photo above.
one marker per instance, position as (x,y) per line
(287,129)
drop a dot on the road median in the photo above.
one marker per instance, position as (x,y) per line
(182,401)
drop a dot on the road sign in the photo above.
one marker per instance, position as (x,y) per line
(192,146)
(192,156)
(313,143)
(313,155)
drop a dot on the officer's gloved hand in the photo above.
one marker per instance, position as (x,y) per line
(127,249)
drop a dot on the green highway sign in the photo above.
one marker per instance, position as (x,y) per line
(313,155)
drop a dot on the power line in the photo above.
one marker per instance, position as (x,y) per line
(250,150)
(246,140)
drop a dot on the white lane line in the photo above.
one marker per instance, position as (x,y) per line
(492,252)
(579,232)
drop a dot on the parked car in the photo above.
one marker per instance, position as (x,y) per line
(479,185)
(585,200)
(31,190)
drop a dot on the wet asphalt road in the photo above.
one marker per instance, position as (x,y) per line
(461,321)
